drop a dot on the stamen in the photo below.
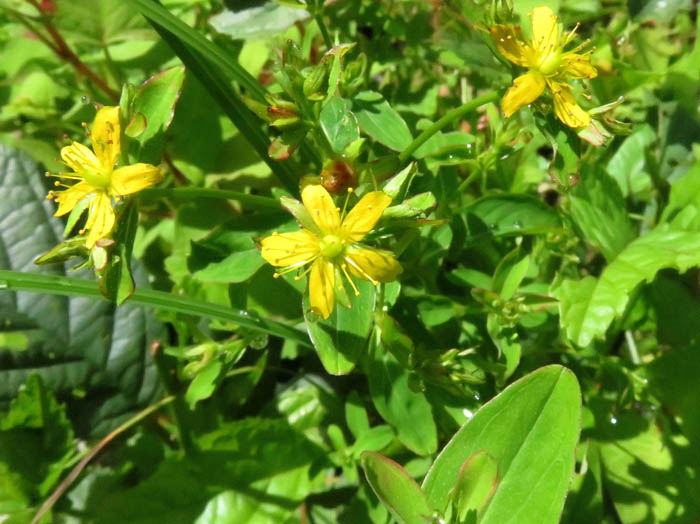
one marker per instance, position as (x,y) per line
(299,277)
(362,271)
(345,205)
(344,268)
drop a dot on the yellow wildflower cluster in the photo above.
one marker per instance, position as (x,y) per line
(95,177)
(330,242)
(548,63)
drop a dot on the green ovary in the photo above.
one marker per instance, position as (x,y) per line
(96,178)
(550,63)
(331,246)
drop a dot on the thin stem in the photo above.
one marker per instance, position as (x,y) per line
(178,410)
(63,486)
(61,49)
(57,285)
(324,30)
(449,117)
(188,193)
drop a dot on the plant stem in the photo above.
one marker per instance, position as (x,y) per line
(179,410)
(200,192)
(449,117)
(63,486)
(57,285)
(62,51)
(318,16)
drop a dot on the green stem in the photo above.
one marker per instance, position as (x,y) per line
(450,117)
(201,192)
(318,16)
(75,472)
(179,411)
(57,285)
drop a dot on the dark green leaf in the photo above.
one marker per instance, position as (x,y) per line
(74,343)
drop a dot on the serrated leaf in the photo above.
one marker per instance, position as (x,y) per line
(530,429)
(77,343)
(381,121)
(588,306)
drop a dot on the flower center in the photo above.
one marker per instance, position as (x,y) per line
(550,63)
(98,179)
(331,246)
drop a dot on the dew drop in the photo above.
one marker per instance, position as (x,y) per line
(613,420)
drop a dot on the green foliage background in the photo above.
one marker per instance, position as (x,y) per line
(537,360)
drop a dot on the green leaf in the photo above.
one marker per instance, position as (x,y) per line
(269,19)
(204,383)
(588,306)
(74,343)
(627,164)
(683,208)
(339,124)
(36,437)
(398,404)
(506,340)
(477,481)
(510,274)
(380,121)
(639,459)
(395,488)
(156,100)
(530,429)
(229,254)
(116,281)
(507,215)
(216,71)
(341,339)
(600,212)
(252,471)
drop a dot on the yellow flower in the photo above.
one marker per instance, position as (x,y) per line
(95,176)
(548,63)
(330,242)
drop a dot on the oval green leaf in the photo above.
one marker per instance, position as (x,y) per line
(381,121)
(340,340)
(531,430)
(395,488)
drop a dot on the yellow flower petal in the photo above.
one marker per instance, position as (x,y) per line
(545,31)
(80,158)
(566,108)
(372,264)
(130,179)
(100,218)
(105,136)
(321,207)
(68,198)
(321,283)
(526,89)
(510,44)
(365,215)
(286,249)
(578,66)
